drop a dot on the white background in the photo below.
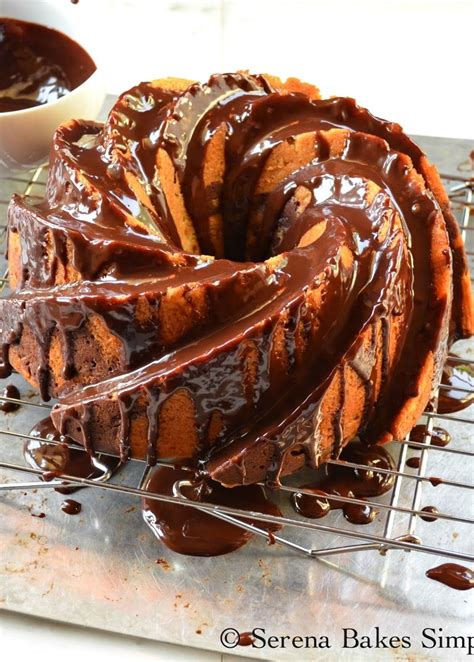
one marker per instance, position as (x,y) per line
(406,60)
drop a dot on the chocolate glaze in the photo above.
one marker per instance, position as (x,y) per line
(125,248)
(39,65)
(10,391)
(438,437)
(429,509)
(349,482)
(413,462)
(188,531)
(71,507)
(435,480)
(452,575)
(456,374)
(63,458)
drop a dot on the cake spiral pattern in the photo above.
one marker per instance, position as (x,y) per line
(237,272)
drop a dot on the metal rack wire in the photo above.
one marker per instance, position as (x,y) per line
(461,193)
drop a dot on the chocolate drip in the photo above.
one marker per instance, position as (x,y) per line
(64,458)
(126,404)
(441,438)
(71,507)
(246,639)
(348,482)
(437,437)
(10,391)
(189,531)
(452,575)
(153,412)
(432,510)
(456,374)
(413,462)
(39,65)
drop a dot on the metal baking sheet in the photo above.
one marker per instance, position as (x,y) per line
(104,568)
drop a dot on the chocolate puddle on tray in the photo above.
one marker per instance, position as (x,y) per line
(65,458)
(189,531)
(452,575)
(349,482)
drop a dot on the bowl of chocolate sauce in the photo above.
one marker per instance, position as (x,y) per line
(48,75)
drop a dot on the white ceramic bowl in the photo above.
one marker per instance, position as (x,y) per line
(25,135)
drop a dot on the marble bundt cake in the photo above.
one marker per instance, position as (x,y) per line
(237,272)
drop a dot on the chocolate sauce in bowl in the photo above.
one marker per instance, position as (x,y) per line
(452,575)
(349,482)
(189,531)
(38,65)
(57,459)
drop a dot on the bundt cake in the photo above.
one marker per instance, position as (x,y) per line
(237,272)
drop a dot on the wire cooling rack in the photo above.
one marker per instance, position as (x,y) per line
(405,499)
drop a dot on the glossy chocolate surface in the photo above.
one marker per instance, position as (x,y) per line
(413,462)
(349,482)
(246,639)
(456,374)
(64,458)
(430,517)
(38,65)
(453,575)
(369,264)
(187,530)
(438,436)
(71,507)
(10,391)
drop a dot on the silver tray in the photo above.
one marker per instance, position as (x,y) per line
(104,568)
